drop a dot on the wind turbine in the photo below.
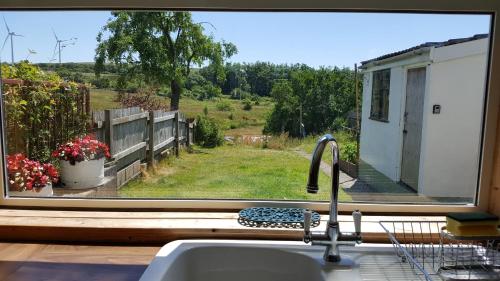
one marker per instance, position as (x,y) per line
(30,52)
(10,34)
(59,46)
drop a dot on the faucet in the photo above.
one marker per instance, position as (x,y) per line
(332,238)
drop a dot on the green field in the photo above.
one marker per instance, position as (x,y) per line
(234,122)
(242,123)
(101,99)
(231,172)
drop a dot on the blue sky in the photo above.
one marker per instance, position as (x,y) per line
(316,39)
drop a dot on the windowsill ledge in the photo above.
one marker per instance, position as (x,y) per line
(157,227)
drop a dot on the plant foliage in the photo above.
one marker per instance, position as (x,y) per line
(207,132)
(41,111)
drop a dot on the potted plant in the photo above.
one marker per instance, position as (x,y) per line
(29,177)
(82,162)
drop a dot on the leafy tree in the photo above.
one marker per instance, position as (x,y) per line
(235,78)
(284,116)
(160,45)
(326,95)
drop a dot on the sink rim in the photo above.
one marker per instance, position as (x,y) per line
(168,254)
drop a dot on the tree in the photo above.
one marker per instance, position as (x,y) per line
(162,46)
(325,95)
(284,116)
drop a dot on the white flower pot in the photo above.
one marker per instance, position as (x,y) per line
(44,192)
(84,174)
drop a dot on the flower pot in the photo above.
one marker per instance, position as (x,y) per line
(84,174)
(44,192)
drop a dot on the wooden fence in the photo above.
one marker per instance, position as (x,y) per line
(136,136)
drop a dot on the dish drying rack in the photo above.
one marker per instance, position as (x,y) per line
(435,254)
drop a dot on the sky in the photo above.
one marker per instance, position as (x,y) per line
(315,39)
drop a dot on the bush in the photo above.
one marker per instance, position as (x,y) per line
(207,132)
(224,105)
(256,99)
(247,104)
(239,94)
(101,83)
(206,92)
(348,152)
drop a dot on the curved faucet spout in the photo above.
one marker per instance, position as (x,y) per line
(312,182)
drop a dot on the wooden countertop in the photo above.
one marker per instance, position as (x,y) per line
(42,262)
(73,259)
(156,227)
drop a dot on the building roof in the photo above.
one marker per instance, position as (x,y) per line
(427,45)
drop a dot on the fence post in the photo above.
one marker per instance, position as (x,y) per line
(108,131)
(177,137)
(151,139)
(188,134)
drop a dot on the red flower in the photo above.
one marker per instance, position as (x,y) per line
(82,149)
(26,174)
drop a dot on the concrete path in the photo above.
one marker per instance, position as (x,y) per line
(361,191)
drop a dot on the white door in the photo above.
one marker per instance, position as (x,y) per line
(412,130)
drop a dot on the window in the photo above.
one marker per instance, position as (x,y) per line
(248,119)
(380,95)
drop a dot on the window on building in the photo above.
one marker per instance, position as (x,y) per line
(380,95)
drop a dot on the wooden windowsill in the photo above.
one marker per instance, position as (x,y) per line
(157,227)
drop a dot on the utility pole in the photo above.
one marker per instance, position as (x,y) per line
(357,109)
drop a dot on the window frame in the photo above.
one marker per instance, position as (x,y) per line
(490,113)
(380,113)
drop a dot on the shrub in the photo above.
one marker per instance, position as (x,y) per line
(231,116)
(348,152)
(207,132)
(205,110)
(101,83)
(247,104)
(224,105)
(256,99)
(42,111)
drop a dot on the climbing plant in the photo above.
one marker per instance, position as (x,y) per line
(41,110)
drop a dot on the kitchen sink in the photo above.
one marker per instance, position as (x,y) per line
(249,260)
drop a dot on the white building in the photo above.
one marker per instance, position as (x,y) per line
(422,115)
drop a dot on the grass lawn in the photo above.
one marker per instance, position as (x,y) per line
(101,99)
(234,122)
(231,172)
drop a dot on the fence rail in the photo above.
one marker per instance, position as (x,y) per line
(135,135)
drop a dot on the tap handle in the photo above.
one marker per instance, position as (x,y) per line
(356,215)
(307,221)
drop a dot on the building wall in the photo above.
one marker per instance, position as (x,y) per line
(451,139)
(379,141)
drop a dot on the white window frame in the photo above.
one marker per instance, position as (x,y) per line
(452,6)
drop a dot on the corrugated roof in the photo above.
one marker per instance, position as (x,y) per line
(428,44)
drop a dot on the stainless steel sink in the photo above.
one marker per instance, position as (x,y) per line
(229,260)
